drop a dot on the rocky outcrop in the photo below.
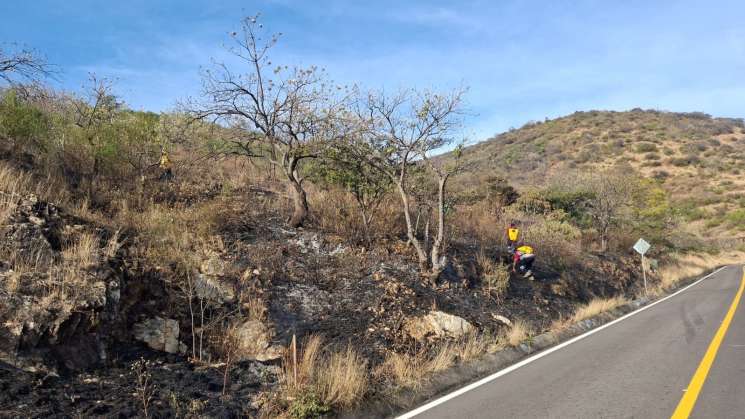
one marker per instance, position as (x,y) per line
(209,283)
(159,334)
(437,324)
(54,297)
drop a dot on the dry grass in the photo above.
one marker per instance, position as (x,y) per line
(12,184)
(692,265)
(338,378)
(495,276)
(344,380)
(409,371)
(83,253)
(597,306)
(585,311)
(518,333)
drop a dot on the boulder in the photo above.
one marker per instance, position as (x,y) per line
(437,324)
(159,334)
(255,342)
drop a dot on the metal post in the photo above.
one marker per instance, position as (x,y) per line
(644,273)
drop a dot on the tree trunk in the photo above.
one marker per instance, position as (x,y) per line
(439,260)
(299,199)
(365,226)
(421,254)
(300,204)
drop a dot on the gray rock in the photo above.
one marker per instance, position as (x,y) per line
(255,342)
(159,334)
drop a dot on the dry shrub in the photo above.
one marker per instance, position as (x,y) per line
(112,246)
(557,242)
(336,378)
(20,264)
(518,333)
(480,223)
(335,210)
(173,235)
(495,276)
(255,308)
(12,184)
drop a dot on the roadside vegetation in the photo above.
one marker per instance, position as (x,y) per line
(322,214)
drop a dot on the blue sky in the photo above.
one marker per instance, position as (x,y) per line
(523,60)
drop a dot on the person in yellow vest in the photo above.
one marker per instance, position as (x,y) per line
(165,166)
(523,259)
(513,235)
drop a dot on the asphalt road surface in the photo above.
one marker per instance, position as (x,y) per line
(639,367)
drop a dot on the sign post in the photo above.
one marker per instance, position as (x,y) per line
(642,247)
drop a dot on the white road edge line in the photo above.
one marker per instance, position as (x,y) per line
(526,361)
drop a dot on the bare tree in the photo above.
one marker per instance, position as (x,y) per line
(611,201)
(404,130)
(287,114)
(19,65)
(93,114)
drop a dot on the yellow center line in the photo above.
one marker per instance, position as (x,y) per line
(685,407)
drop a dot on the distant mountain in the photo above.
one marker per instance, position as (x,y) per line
(699,159)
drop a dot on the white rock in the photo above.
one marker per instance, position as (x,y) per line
(437,324)
(159,334)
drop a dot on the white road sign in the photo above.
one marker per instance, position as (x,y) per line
(642,246)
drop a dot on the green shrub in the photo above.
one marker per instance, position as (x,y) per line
(307,406)
(736,217)
(646,147)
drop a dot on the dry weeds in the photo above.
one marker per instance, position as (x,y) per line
(693,265)
(338,378)
(597,306)
(518,333)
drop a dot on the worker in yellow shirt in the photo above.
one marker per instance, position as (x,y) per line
(513,235)
(165,166)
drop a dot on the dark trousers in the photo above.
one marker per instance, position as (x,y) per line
(526,262)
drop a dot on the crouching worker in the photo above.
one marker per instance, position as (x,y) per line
(523,259)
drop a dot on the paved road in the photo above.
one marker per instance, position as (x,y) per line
(636,368)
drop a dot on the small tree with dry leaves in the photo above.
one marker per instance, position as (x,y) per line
(285,114)
(403,131)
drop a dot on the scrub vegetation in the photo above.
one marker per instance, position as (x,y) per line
(287,247)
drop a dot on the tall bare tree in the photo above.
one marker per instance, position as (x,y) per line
(288,114)
(19,65)
(404,130)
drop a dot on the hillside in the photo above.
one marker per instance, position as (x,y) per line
(698,159)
